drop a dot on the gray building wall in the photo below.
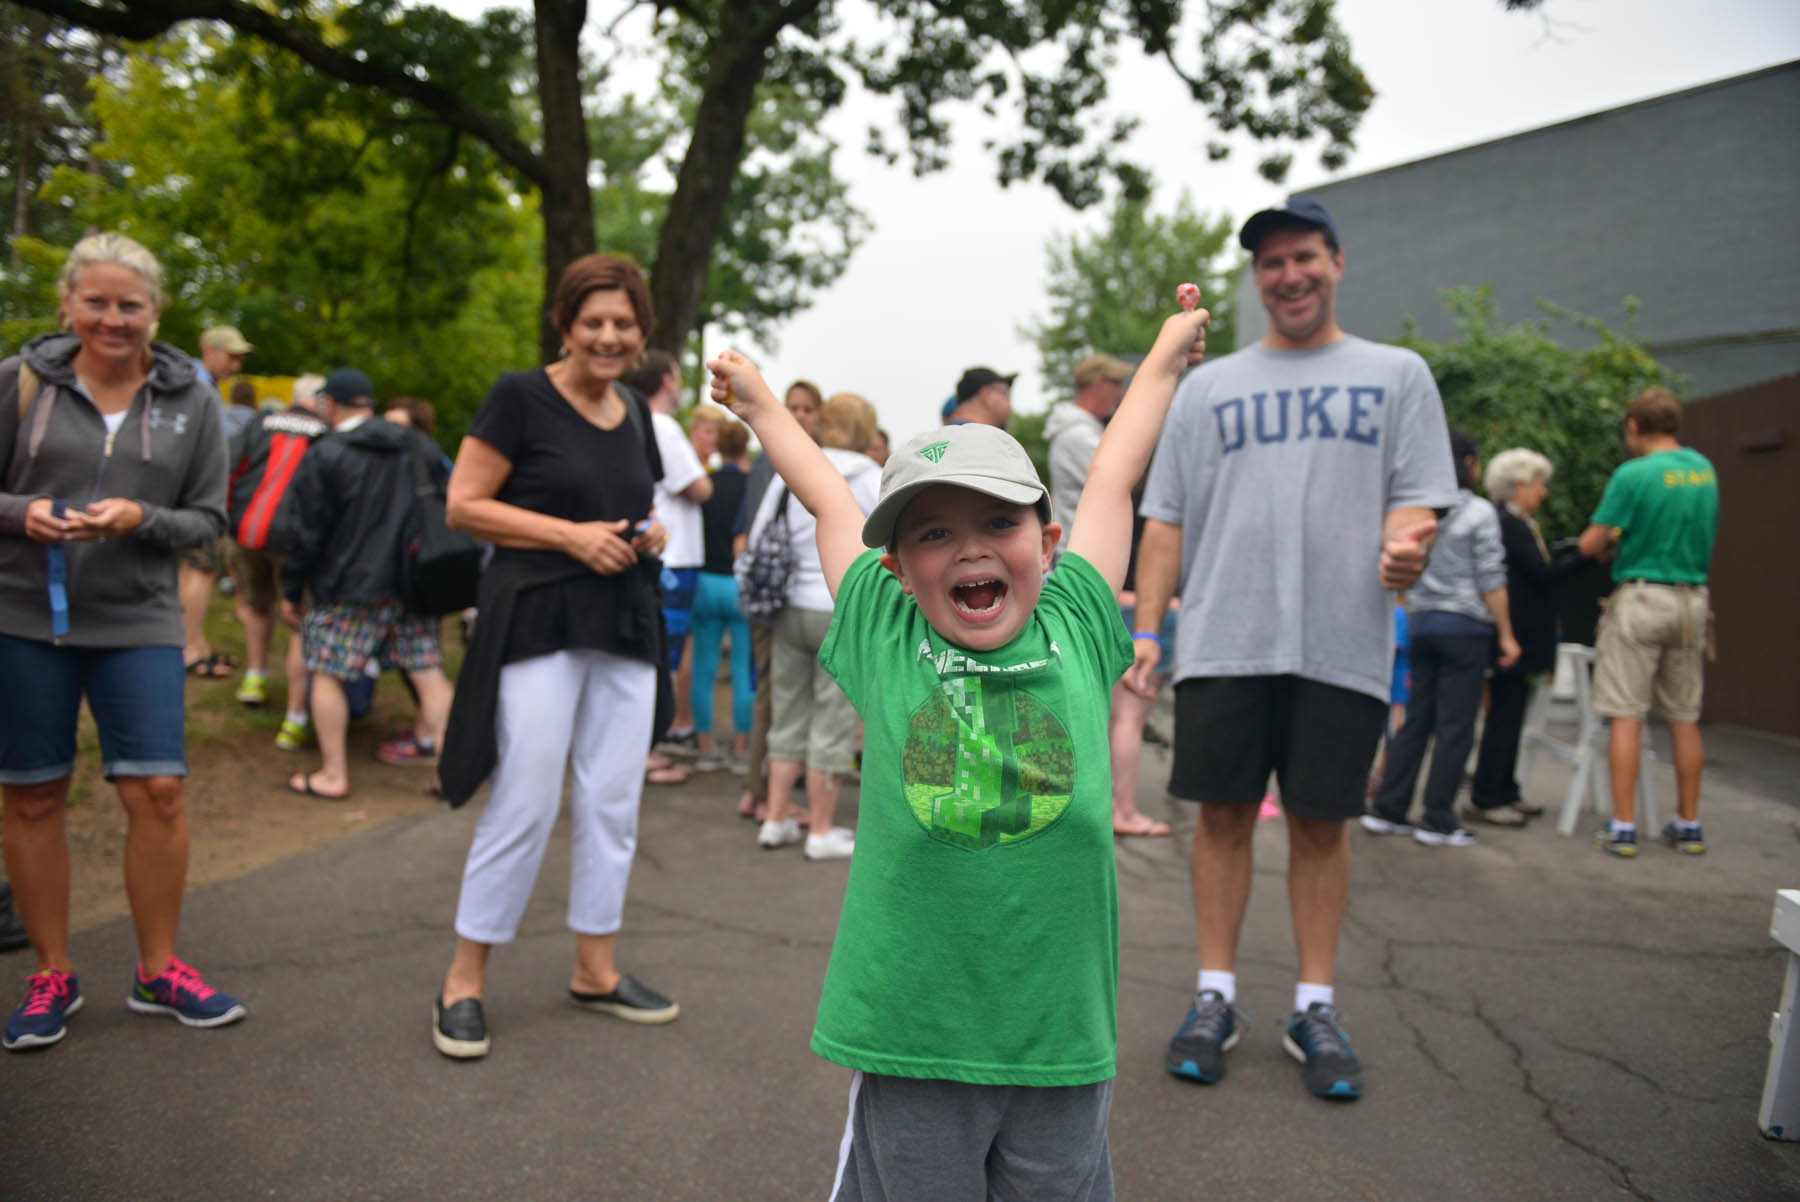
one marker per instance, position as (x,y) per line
(1687,202)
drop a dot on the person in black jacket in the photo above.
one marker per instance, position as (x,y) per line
(1517,481)
(341,531)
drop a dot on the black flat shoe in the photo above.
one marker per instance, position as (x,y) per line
(630,1001)
(461,1031)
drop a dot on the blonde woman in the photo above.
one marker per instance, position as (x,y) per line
(89,606)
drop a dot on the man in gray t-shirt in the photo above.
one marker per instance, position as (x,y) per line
(1295,484)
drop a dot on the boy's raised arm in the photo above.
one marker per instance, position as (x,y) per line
(1102,533)
(810,476)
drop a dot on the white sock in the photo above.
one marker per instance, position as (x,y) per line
(299,719)
(1686,827)
(1306,993)
(1222,983)
(256,674)
(1623,828)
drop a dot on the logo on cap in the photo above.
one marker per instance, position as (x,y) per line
(935,452)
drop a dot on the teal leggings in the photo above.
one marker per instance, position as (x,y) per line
(715,611)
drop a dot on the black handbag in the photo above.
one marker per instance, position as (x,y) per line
(440,568)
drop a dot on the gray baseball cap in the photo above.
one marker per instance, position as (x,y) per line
(984,458)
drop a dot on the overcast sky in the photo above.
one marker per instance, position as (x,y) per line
(955,263)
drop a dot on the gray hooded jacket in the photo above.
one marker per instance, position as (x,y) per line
(169,456)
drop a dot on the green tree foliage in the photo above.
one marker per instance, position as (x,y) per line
(1515,385)
(1277,71)
(789,228)
(1110,290)
(45,69)
(301,210)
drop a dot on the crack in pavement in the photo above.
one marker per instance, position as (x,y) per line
(1420,1042)
(1621,1176)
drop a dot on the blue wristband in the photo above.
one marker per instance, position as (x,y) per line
(1145,634)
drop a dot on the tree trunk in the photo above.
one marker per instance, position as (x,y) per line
(22,189)
(567,204)
(703,185)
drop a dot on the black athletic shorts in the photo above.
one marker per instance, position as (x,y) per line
(1319,740)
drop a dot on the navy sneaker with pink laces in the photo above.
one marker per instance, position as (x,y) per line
(50,997)
(179,992)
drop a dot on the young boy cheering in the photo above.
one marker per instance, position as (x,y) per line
(973,982)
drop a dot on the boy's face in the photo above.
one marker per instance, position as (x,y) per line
(974,563)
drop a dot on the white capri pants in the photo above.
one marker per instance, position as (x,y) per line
(599,706)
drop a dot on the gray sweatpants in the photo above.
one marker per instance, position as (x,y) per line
(910,1140)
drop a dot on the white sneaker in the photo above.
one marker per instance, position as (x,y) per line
(835,844)
(1459,837)
(1375,824)
(778,834)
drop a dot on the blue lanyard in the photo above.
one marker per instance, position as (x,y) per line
(59,580)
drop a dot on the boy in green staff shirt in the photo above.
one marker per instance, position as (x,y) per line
(973,982)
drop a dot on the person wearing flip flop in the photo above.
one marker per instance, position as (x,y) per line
(112,461)
(973,981)
(340,531)
(222,352)
(1295,486)
(1074,429)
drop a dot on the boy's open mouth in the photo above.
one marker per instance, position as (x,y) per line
(979,599)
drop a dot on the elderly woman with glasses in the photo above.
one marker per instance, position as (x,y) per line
(1517,482)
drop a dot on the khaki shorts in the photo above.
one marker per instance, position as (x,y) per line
(1650,652)
(209,559)
(256,574)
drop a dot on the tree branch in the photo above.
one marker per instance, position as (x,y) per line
(791,12)
(140,21)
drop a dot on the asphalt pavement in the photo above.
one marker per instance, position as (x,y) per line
(1536,1020)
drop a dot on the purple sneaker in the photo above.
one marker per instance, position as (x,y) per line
(179,992)
(50,997)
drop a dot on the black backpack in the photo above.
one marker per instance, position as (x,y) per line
(440,568)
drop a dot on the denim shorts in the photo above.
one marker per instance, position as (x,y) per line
(678,588)
(135,693)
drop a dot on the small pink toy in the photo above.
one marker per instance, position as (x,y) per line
(1187,296)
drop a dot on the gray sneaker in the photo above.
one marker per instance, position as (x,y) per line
(1375,824)
(1317,1040)
(1212,1027)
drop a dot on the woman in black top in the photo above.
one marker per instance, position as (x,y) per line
(556,472)
(1517,481)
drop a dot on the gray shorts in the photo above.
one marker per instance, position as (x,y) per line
(910,1140)
(812,722)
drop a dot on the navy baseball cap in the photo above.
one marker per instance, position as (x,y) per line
(349,387)
(1295,210)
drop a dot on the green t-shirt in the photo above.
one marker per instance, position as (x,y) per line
(1665,506)
(979,939)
